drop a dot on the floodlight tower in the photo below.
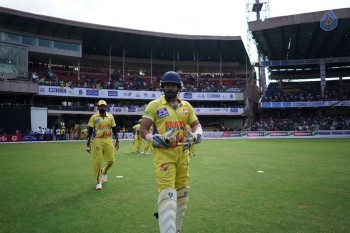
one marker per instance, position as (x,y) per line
(256,10)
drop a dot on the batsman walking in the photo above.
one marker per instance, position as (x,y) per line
(102,124)
(169,116)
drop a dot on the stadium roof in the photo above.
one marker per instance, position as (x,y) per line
(301,37)
(98,39)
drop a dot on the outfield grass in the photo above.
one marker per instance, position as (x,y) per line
(304,187)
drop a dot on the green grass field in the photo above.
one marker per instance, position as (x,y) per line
(304,187)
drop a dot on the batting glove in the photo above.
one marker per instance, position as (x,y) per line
(165,140)
(193,138)
(190,139)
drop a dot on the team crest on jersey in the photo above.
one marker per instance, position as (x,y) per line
(163,112)
(185,111)
(97,120)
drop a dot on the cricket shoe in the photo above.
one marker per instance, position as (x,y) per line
(104,178)
(99,186)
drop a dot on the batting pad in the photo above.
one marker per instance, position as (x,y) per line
(167,210)
(182,200)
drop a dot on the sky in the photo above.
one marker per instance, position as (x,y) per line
(189,17)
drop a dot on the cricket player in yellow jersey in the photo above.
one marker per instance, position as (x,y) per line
(102,124)
(136,145)
(148,146)
(169,116)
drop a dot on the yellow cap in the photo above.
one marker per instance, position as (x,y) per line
(101,102)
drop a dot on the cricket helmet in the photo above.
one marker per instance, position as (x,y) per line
(171,77)
(101,102)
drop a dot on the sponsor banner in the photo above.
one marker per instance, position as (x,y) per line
(57,90)
(231,134)
(210,135)
(340,132)
(117,110)
(92,92)
(235,110)
(227,96)
(315,61)
(219,111)
(10,138)
(265,104)
(313,104)
(217,134)
(133,110)
(188,95)
(258,134)
(305,133)
(279,134)
(287,105)
(300,104)
(344,103)
(324,133)
(112,93)
(316,104)
(199,111)
(33,137)
(276,104)
(129,94)
(126,136)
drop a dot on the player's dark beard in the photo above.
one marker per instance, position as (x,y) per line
(170,95)
(102,111)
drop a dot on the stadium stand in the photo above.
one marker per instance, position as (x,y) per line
(70,80)
(308,87)
(76,71)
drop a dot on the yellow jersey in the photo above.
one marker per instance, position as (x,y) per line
(136,128)
(102,125)
(166,117)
